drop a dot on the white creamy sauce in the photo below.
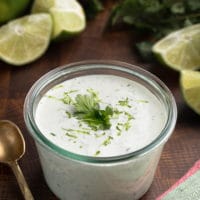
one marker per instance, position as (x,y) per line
(142,116)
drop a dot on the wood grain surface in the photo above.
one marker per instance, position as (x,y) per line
(180,152)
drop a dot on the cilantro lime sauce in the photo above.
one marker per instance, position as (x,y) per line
(134,119)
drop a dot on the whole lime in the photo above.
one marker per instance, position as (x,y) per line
(10,9)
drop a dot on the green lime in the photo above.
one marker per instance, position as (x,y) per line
(180,49)
(190,85)
(10,9)
(25,39)
(68,16)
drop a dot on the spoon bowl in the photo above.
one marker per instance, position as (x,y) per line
(12,145)
(12,148)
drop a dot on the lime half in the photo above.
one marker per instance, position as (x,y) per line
(68,16)
(190,85)
(25,39)
(181,49)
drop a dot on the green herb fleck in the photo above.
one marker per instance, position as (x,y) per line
(124,102)
(94,94)
(129,116)
(97,153)
(117,112)
(142,101)
(80,124)
(118,128)
(57,87)
(51,97)
(88,110)
(53,134)
(71,135)
(69,115)
(127,125)
(107,141)
(77,131)
(66,99)
(119,133)
(100,135)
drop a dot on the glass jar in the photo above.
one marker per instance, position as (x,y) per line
(78,177)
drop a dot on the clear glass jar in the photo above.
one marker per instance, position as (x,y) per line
(77,177)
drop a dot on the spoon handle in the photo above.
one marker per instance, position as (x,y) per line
(21,181)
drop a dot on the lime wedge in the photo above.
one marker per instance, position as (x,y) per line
(68,16)
(25,39)
(190,85)
(181,49)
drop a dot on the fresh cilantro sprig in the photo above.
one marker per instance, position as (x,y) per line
(88,110)
(155,18)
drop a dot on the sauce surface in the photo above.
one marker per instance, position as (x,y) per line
(138,116)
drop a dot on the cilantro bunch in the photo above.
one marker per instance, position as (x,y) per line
(155,18)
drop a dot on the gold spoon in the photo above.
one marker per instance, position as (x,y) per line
(12,148)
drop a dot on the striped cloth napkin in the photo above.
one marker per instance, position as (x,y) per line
(186,188)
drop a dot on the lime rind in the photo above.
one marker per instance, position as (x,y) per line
(192,99)
(25,39)
(180,49)
(62,21)
(190,87)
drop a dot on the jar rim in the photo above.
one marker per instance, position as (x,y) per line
(118,66)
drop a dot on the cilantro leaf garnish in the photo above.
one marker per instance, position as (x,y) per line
(88,110)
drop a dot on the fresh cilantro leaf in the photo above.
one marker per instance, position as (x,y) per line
(88,110)
(85,103)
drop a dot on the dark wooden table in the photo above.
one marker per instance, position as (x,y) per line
(181,151)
